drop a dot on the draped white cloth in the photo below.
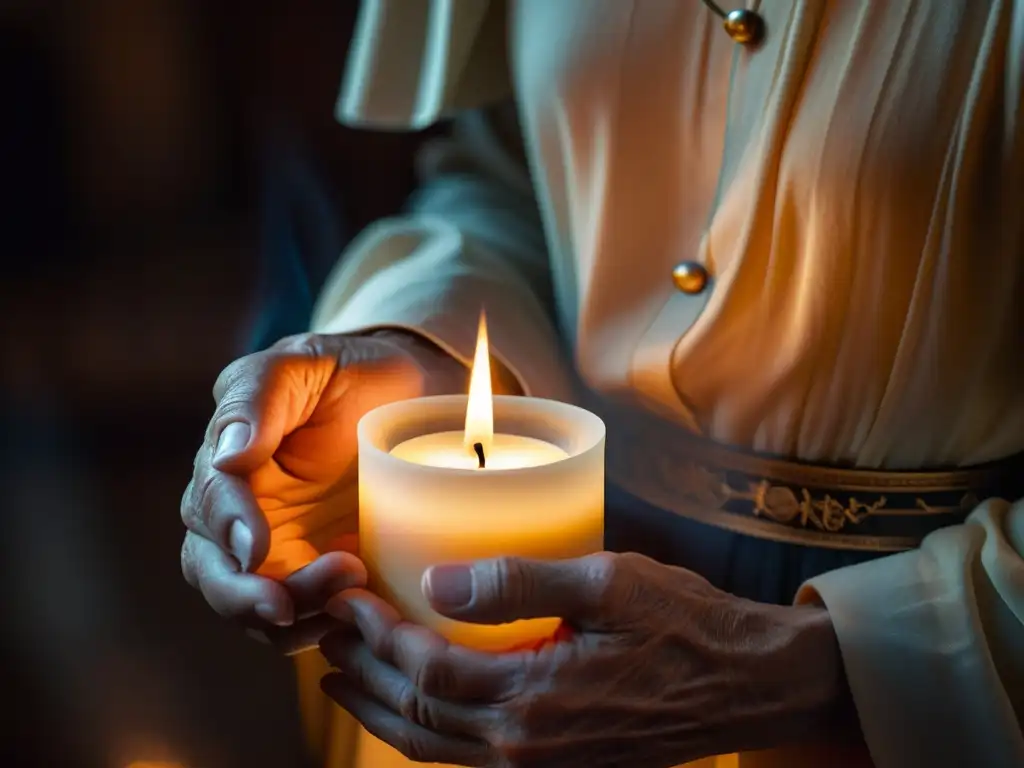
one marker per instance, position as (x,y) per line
(854,188)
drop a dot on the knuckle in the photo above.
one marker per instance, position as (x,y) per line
(513,582)
(417,708)
(243,377)
(235,404)
(604,572)
(620,581)
(305,353)
(224,377)
(235,371)
(380,644)
(434,677)
(306,344)
(203,503)
(426,713)
(204,492)
(239,387)
(408,702)
(245,385)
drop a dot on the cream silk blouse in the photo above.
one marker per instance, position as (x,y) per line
(854,189)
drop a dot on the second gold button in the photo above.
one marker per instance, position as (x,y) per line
(690,277)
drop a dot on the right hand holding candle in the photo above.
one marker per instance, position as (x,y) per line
(271,509)
(659,668)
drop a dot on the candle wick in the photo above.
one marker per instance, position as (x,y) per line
(479,448)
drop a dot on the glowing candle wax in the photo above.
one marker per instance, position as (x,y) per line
(455,479)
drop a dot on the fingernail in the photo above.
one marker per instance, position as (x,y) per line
(233,439)
(240,541)
(448,586)
(267,612)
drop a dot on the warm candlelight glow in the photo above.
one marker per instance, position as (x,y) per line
(423,499)
(458,478)
(480,409)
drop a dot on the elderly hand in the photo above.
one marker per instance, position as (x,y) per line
(660,668)
(271,508)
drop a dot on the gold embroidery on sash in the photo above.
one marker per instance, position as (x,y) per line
(800,508)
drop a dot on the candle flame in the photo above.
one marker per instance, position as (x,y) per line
(480,409)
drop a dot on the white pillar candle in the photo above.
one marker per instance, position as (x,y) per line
(425,499)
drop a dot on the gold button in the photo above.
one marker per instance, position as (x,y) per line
(690,277)
(745,27)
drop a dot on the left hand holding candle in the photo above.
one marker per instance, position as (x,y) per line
(270,511)
(659,668)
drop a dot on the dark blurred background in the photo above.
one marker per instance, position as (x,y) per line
(176,189)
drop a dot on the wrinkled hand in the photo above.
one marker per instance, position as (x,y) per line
(660,668)
(271,508)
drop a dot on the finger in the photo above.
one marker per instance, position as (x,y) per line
(417,743)
(262,397)
(305,635)
(508,588)
(374,618)
(385,684)
(313,587)
(230,592)
(249,422)
(310,589)
(221,507)
(452,672)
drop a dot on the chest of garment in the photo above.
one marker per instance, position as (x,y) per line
(851,190)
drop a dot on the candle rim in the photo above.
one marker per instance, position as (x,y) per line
(476,471)
(369,431)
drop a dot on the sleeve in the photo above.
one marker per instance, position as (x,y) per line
(471,238)
(413,61)
(933,643)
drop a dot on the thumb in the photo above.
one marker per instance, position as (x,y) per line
(505,589)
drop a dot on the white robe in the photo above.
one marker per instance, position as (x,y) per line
(855,189)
